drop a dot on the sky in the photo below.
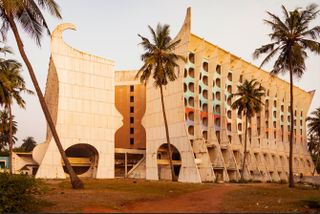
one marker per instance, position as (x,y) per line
(109,28)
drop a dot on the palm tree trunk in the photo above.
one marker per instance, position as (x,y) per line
(75,181)
(169,152)
(245,150)
(291,180)
(315,166)
(10,139)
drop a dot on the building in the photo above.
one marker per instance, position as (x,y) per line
(111,125)
(4,163)
(22,163)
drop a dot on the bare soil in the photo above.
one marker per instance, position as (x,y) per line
(105,196)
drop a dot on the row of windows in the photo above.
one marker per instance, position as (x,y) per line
(131,118)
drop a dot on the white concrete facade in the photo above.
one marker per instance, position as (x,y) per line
(80,96)
(80,93)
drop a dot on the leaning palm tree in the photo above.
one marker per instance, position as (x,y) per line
(28,13)
(314,130)
(160,62)
(249,103)
(10,90)
(291,38)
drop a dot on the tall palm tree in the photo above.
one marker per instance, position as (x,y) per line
(10,90)
(160,62)
(5,129)
(314,130)
(291,38)
(28,144)
(249,103)
(28,14)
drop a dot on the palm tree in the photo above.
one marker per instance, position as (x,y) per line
(314,130)
(28,144)
(160,62)
(4,130)
(249,103)
(28,14)
(10,90)
(291,38)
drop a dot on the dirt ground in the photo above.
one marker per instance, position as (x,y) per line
(136,196)
(208,200)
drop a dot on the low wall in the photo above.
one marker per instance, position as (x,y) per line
(308,179)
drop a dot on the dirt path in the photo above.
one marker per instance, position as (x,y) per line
(201,201)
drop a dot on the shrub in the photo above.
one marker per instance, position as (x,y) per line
(17,192)
(313,203)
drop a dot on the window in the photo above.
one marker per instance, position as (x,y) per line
(218,83)
(218,109)
(131,109)
(131,119)
(205,80)
(230,76)
(218,69)
(191,58)
(191,86)
(131,130)
(191,72)
(229,114)
(205,66)
(217,121)
(229,126)
(131,98)
(229,88)
(131,141)
(229,101)
(218,97)
(241,79)
(131,88)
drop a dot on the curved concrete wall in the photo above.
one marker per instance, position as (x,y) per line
(80,96)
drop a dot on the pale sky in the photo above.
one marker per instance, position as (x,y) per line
(109,28)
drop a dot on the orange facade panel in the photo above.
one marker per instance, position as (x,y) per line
(130,102)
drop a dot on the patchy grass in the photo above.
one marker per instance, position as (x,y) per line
(271,198)
(110,194)
(116,194)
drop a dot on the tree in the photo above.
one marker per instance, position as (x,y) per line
(28,14)
(291,38)
(28,144)
(314,132)
(4,130)
(160,62)
(249,103)
(11,89)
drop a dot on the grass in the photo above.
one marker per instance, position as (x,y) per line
(272,198)
(109,194)
(116,194)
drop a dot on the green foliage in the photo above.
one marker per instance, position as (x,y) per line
(4,129)
(249,95)
(5,152)
(17,192)
(313,203)
(28,144)
(159,58)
